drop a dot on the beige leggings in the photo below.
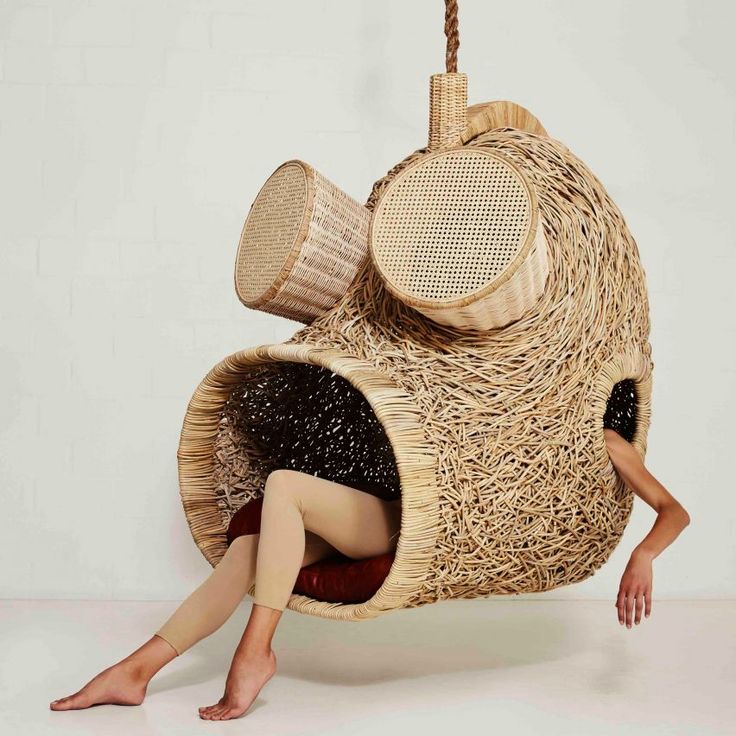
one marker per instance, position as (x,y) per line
(303,519)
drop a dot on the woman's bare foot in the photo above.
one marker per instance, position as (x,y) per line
(124,683)
(121,684)
(249,672)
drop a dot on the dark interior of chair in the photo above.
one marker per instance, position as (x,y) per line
(307,418)
(620,414)
(310,419)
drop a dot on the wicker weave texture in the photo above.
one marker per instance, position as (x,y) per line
(302,244)
(507,302)
(484,117)
(457,235)
(448,108)
(507,485)
(529,500)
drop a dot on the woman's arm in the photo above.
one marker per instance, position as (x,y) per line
(672,518)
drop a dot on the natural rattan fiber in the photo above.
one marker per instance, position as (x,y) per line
(448,109)
(457,235)
(302,244)
(487,116)
(506,483)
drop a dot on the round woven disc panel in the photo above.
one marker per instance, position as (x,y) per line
(271,230)
(451,224)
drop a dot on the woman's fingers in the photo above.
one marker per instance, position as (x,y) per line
(630,604)
(620,601)
(625,605)
(639,606)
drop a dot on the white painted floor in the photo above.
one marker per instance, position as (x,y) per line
(503,666)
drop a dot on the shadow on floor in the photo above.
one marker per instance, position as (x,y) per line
(452,636)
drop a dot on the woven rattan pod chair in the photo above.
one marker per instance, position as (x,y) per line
(483,409)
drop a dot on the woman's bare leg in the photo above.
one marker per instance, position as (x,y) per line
(354,522)
(202,613)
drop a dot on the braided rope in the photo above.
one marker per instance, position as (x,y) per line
(453,35)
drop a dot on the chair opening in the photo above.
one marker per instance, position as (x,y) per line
(307,418)
(621,409)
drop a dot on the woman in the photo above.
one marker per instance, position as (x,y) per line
(303,519)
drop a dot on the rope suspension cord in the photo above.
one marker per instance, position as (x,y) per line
(453,35)
(448,92)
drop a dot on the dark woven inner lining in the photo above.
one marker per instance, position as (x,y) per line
(620,414)
(307,418)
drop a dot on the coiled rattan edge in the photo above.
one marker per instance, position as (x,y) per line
(401,420)
(634,365)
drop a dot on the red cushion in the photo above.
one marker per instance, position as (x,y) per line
(336,579)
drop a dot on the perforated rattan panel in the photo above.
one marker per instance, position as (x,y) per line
(451,225)
(272,228)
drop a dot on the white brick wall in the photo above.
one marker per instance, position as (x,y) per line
(135,133)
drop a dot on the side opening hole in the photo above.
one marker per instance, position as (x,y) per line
(621,409)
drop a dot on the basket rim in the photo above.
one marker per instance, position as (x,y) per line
(487,289)
(400,418)
(480,119)
(631,364)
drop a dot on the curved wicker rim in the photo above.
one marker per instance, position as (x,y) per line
(401,419)
(486,116)
(492,286)
(634,365)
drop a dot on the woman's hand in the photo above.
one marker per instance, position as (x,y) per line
(635,587)
(636,583)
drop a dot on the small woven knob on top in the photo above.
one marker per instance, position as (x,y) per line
(448,106)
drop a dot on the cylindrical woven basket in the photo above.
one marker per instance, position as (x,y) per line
(506,482)
(457,235)
(302,244)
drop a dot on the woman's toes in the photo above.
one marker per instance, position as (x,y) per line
(211,708)
(66,703)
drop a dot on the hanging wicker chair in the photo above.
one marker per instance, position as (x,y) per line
(464,366)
